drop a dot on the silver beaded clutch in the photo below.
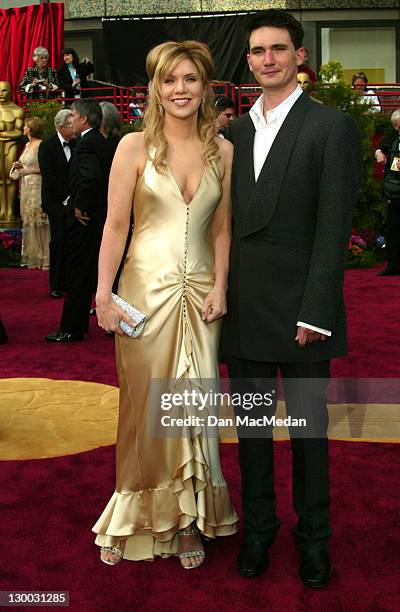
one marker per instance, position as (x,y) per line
(138,317)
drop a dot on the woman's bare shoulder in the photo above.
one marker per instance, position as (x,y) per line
(225,156)
(133,142)
(131,150)
(225,148)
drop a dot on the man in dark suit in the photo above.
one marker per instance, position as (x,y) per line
(88,180)
(54,157)
(389,154)
(295,179)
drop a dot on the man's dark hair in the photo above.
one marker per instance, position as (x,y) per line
(90,108)
(222,103)
(276,18)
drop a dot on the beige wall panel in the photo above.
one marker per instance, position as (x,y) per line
(362,47)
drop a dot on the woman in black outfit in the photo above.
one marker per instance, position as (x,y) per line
(72,76)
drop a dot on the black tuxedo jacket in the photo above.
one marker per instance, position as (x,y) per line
(88,176)
(54,170)
(290,235)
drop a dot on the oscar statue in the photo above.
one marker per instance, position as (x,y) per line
(11,124)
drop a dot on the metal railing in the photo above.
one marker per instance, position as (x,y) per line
(131,101)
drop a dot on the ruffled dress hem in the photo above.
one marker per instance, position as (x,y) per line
(149,520)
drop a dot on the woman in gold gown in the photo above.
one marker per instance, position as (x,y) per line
(35,223)
(170,490)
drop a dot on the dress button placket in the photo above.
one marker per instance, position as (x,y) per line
(185,260)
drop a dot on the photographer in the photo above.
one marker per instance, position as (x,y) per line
(39,81)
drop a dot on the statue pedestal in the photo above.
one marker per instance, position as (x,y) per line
(11,224)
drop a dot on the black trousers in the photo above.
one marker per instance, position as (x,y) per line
(83,247)
(393,235)
(58,250)
(309,454)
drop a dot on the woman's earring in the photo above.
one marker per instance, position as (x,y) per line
(161,109)
(203,103)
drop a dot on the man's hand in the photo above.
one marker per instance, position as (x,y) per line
(81,216)
(307,336)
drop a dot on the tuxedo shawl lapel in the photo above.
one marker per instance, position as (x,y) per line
(243,167)
(265,194)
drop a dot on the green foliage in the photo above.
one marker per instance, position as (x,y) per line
(333,91)
(331,72)
(135,126)
(366,259)
(46,110)
(383,125)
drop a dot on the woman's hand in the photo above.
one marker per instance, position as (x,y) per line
(24,171)
(214,305)
(109,315)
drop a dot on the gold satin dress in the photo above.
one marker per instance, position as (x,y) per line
(165,483)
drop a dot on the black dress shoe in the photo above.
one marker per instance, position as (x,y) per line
(253,559)
(315,569)
(56,294)
(63,336)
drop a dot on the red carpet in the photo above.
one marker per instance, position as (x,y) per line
(49,506)
(29,314)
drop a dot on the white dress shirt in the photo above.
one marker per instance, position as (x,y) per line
(85,132)
(372,100)
(267,129)
(67,150)
(67,153)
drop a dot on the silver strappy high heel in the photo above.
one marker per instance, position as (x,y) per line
(191,530)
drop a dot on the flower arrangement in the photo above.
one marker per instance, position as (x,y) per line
(10,248)
(362,249)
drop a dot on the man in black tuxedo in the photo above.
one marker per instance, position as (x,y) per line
(54,157)
(389,154)
(88,181)
(296,172)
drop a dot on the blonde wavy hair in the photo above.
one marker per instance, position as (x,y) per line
(161,60)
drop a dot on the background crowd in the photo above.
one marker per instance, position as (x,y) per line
(44,167)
